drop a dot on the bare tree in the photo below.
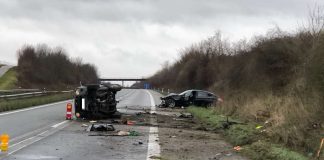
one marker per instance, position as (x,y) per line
(315,21)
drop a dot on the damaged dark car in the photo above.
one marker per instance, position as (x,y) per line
(189,97)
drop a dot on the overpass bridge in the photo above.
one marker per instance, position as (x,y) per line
(123,80)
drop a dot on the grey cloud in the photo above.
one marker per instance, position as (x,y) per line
(158,11)
(134,37)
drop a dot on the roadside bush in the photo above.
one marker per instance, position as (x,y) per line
(280,74)
(45,67)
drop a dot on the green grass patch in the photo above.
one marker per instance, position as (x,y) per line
(9,79)
(246,135)
(267,151)
(7,105)
(241,134)
(238,134)
(207,116)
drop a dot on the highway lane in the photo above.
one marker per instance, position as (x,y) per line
(19,123)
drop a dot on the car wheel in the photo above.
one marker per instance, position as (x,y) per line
(208,105)
(171,103)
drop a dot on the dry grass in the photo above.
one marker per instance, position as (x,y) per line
(255,145)
(277,81)
(288,119)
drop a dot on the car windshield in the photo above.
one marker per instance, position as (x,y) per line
(185,92)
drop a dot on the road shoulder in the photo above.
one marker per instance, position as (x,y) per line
(184,138)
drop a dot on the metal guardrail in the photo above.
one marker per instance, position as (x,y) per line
(19,90)
(22,95)
(30,94)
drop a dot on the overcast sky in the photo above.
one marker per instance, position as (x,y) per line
(133,38)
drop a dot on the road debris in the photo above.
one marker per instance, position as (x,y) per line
(130,133)
(134,133)
(127,122)
(84,125)
(116,133)
(139,113)
(130,122)
(237,148)
(123,133)
(101,127)
(147,111)
(185,115)
(258,127)
(202,128)
(138,143)
(115,121)
(155,157)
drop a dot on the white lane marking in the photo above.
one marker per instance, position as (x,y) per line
(22,141)
(28,134)
(34,139)
(40,134)
(153,148)
(32,108)
(43,133)
(153,108)
(58,124)
(17,149)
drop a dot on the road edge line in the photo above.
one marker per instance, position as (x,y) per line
(153,147)
(37,138)
(32,108)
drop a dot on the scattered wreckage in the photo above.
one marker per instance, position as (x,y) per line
(189,97)
(96,100)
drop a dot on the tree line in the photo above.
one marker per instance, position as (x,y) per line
(280,73)
(44,67)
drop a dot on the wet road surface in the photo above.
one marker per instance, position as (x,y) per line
(42,132)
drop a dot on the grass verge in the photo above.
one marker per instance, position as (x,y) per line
(267,151)
(9,79)
(7,105)
(254,144)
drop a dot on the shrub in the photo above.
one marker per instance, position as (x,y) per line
(45,67)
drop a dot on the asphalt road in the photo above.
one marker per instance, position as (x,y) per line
(42,132)
(4,69)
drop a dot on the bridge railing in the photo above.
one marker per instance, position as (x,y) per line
(122,79)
